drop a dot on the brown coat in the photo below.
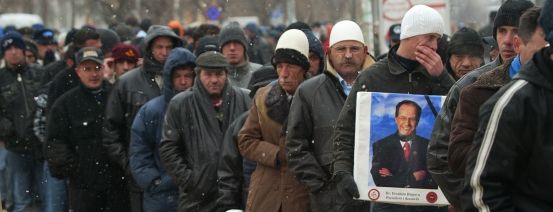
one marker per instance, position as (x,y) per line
(262,139)
(465,120)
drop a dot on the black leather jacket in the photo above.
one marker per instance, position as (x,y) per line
(18,87)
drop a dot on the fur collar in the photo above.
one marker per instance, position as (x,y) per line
(277,104)
(495,78)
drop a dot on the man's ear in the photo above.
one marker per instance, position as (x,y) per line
(517,42)
(78,71)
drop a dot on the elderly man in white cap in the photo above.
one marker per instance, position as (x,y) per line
(412,67)
(314,111)
(273,187)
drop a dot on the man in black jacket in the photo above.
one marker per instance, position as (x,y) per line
(313,112)
(509,165)
(134,89)
(505,27)
(19,83)
(195,123)
(74,142)
(413,67)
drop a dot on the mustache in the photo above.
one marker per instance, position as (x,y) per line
(348,61)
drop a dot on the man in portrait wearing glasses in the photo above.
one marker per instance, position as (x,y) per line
(313,112)
(411,67)
(74,143)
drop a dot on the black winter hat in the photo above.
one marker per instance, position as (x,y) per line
(12,38)
(44,36)
(466,41)
(124,31)
(263,76)
(546,20)
(509,13)
(233,32)
(31,46)
(109,39)
(298,25)
(207,43)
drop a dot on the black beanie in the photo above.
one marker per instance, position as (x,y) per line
(207,43)
(261,77)
(298,25)
(546,20)
(233,32)
(12,38)
(509,13)
(466,41)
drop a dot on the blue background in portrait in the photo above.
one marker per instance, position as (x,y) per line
(383,109)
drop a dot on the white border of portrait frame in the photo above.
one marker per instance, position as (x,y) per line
(361,166)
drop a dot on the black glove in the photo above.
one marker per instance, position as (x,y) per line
(346,186)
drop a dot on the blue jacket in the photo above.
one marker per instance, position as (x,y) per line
(144,157)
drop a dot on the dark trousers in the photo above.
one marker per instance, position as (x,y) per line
(87,200)
(136,196)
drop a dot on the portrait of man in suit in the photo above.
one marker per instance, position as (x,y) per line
(399,159)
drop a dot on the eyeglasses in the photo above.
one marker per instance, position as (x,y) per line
(91,69)
(352,49)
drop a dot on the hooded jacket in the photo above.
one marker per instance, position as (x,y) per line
(144,159)
(509,164)
(130,92)
(316,47)
(437,158)
(191,141)
(17,89)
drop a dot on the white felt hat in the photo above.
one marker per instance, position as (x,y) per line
(346,30)
(420,20)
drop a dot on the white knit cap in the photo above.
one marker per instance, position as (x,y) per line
(346,30)
(294,39)
(420,20)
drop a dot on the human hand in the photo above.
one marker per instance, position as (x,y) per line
(346,186)
(385,172)
(419,175)
(430,59)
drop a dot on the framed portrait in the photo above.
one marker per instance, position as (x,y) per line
(391,139)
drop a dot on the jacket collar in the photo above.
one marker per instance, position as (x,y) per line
(237,71)
(495,78)
(539,70)
(369,60)
(151,66)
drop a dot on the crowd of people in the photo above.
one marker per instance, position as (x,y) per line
(157,118)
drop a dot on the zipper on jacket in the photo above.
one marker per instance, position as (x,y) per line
(20,80)
(410,81)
